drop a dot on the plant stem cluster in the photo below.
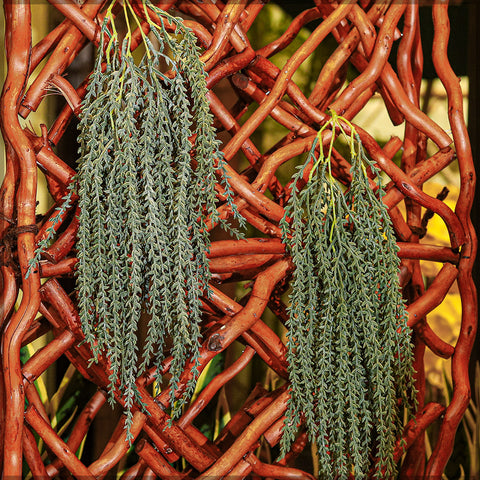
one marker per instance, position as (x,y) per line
(349,349)
(146,179)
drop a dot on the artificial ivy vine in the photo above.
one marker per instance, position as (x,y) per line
(142,239)
(349,349)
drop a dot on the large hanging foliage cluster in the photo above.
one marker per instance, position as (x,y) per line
(349,349)
(146,178)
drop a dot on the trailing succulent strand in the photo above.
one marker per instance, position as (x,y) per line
(146,178)
(349,349)
(61,210)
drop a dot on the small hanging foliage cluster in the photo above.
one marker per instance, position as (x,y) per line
(349,349)
(146,178)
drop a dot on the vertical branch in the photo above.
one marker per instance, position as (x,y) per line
(18,16)
(461,357)
(412,151)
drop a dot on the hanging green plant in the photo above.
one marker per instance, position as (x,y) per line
(349,348)
(146,185)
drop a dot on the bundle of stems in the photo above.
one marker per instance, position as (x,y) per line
(349,349)
(149,159)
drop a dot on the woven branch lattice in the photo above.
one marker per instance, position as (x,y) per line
(365,32)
